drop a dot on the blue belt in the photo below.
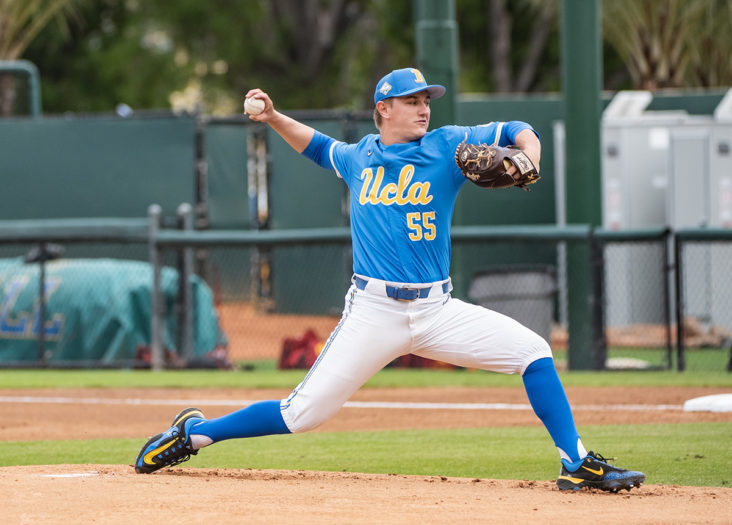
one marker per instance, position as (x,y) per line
(402,294)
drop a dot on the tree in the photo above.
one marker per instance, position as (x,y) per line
(306,54)
(672,43)
(20,23)
(314,54)
(190,53)
(509,46)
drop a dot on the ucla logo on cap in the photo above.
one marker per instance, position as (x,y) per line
(402,82)
(418,76)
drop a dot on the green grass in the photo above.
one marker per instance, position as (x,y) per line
(267,377)
(683,454)
(697,359)
(687,454)
(705,367)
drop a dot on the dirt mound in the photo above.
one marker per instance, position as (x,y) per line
(115,494)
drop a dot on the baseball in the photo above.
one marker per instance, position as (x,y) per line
(253,106)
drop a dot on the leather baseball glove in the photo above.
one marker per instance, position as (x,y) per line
(487,166)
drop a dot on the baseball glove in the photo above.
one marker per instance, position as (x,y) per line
(487,166)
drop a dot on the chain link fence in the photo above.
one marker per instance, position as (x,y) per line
(265,294)
(703,315)
(90,297)
(238,297)
(637,311)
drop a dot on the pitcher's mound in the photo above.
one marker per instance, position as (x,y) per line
(115,494)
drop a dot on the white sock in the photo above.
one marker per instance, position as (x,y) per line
(581,448)
(200,441)
(581,451)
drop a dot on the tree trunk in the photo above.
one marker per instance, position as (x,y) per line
(8,94)
(500,30)
(537,44)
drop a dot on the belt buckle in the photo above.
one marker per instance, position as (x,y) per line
(402,294)
(408,294)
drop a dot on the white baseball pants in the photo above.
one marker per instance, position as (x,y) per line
(376,329)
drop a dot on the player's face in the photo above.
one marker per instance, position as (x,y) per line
(410,116)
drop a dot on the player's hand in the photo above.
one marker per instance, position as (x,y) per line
(268,113)
(531,146)
(514,172)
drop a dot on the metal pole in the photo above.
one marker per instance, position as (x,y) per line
(581,35)
(599,341)
(436,38)
(668,267)
(680,364)
(34,82)
(185,216)
(42,306)
(157,306)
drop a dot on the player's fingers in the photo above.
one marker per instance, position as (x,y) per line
(253,92)
(509,167)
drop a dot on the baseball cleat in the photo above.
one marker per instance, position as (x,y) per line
(594,472)
(172,446)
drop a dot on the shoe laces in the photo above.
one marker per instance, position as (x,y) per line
(180,452)
(600,457)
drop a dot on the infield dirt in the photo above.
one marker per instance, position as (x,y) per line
(115,494)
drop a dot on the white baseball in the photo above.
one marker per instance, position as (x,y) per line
(253,106)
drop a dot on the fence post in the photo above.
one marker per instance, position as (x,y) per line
(667,267)
(41,255)
(185,221)
(680,363)
(34,83)
(157,305)
(599,341)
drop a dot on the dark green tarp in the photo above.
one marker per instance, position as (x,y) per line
(97,310)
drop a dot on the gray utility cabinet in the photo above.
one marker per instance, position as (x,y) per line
(662,168)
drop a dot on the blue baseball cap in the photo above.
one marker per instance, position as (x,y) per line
(402,82)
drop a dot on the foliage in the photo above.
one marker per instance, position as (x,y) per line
(187,53)
(672,43)
(308,54)
(22,20)
(113,54)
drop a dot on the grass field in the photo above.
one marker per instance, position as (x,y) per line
(265,375)
(680,454)
(687,454)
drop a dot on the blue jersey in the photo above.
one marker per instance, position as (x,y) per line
(403,196)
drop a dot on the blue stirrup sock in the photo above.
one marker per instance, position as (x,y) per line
(262,418)
(549,401)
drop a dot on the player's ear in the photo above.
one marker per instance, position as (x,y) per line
(383,108)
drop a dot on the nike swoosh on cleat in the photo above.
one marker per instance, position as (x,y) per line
(147,459)
(573,480)
(599,471)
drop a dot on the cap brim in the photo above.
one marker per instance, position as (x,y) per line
(434,91)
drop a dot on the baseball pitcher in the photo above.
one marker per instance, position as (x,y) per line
(403,185)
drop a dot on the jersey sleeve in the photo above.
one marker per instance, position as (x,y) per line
(512,128)
(319,148)
(327,153)
(499,133)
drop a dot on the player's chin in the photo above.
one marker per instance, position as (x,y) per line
(419,131)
